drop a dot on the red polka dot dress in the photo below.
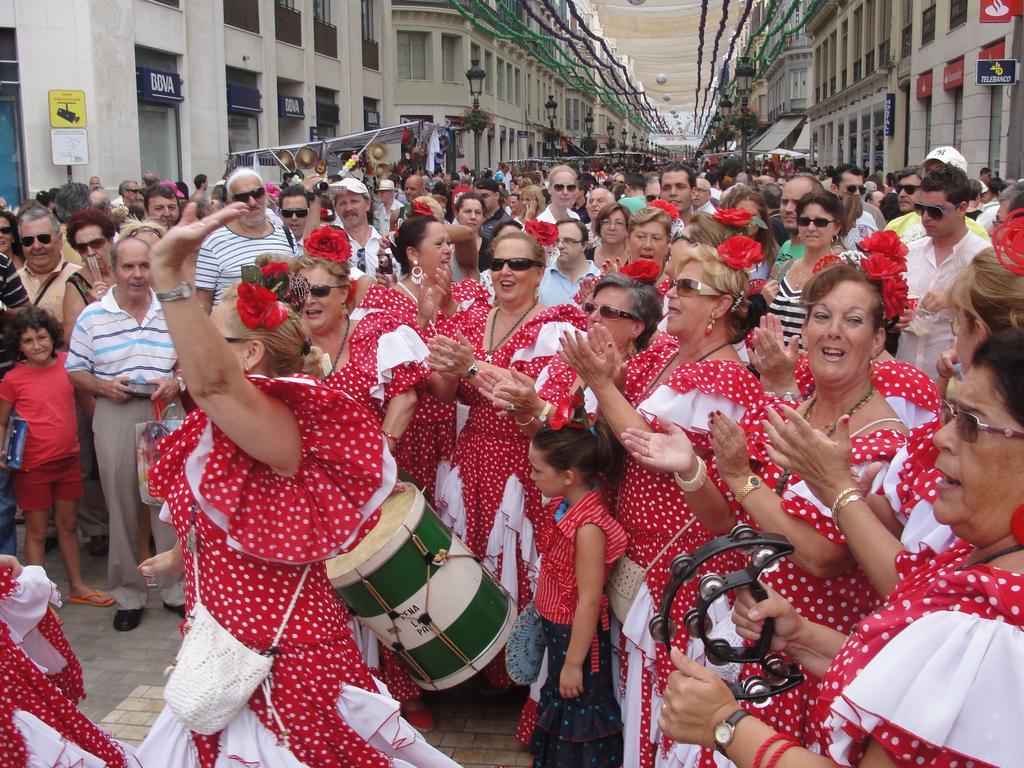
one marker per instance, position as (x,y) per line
(935,676)
(258,531)
(652,509)
(41,684)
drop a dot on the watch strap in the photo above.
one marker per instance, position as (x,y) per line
(752,484)
(182,291)
(732,721)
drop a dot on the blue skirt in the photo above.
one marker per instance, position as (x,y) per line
(585,732)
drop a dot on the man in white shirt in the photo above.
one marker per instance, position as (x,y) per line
(352,205)
(562,279)
(933,264)
(562,186)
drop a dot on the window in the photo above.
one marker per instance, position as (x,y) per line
(509,91)
(290,4)
(907,35)
(928,24)
(798,84)
(412,55)
(957,13)
(501,79)
(518,90)
(449,58)
(958,116)
(322,11)
(489,69)
(366,12)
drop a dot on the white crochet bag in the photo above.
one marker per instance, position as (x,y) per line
(215,674)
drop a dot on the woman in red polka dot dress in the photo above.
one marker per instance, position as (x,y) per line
(488,498)
(271,476)
(934,676)
(690,371)
(41,683)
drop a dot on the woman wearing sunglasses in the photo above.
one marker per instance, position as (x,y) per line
(91,233)
(682,381)
(9,244)
(488,498)
(819,218)
(933,677)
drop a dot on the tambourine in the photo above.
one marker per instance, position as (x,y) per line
(765,550)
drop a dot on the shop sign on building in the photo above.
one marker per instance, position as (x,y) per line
(997,71)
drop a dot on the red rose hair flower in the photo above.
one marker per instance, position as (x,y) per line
(737,218)
(644,270)
(571,412)
(887,272)
(885,243)
(667,207)
(419,208)
(329,244)
(1008,242)
(824,262)
(543,232)
(258,307)
(740,252)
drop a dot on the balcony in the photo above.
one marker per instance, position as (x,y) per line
(371,55)
(927,25)
(287,24)
(325,38)
(244,14)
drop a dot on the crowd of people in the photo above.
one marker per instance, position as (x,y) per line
(588,372)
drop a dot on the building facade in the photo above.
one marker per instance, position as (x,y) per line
(174,85)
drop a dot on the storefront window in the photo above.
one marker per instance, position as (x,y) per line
(243,133)
(158,140)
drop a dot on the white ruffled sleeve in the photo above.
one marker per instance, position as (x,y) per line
(952,680)
(689,410)
(547,343)
(396,348)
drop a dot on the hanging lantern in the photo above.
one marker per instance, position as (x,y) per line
(661,79)
(667,97)
(637,2)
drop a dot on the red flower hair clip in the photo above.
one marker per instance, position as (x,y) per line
(885,243)
(1008,242)
(737,218)
(329,244)
(887,271)
(667,207)
(571,412)
(258,307)
(740,252)
(825,262)
(419,208)
(644,270)
(543,232)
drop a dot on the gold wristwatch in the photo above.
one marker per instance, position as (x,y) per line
(752,484)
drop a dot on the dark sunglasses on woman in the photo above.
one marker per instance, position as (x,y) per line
(95,244)
(28,240)
(819,221)
(607,311)
(320,291)
(516,265)
(6,230)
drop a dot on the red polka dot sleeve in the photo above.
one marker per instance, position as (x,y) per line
(324,508)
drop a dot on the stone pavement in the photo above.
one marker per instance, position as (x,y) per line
(124,678)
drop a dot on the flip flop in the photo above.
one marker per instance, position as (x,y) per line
(95,597)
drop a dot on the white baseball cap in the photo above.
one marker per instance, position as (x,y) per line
(348,184)
(386,185)
(948,155)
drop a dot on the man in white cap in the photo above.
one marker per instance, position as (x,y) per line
(948,155)
(352,206)
(385,206)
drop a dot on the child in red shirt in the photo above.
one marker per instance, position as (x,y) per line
(40,391)
(578,719)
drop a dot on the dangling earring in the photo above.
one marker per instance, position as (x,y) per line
(1017,524)
(416,274)
(710,326)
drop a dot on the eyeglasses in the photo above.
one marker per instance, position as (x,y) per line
(320,291)
(28,240)
(132,189)
(687,285)
(818,221)
(934,211)
(94,244)
(293,213)
(255,194)
(909,189)
(564,187)
(613,223)
(968,425)
(6,230)
(567,241)
(852,189)
(516,265)
(607,311)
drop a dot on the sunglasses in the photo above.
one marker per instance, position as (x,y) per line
(818,221)
(934,211)
(294,213)
(255,194)
(607,311)
(909,189)
(854,188)
(28,240)
(516,265)
(6,230)
(968,425)
(687,285)
(320,291)
(94,244)
(564,187)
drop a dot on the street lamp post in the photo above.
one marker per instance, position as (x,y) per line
(551,107)
(476,76)
(744,75)
(624,147)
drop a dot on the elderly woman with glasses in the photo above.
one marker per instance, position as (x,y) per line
(680,382)
(934,676)
(91,233)
(611,252)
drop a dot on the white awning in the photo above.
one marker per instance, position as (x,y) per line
(776,135)
(803,142)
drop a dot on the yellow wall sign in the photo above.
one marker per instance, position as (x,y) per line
(67,109)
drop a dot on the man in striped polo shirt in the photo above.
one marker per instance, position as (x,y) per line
(223,253)
(119,343)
